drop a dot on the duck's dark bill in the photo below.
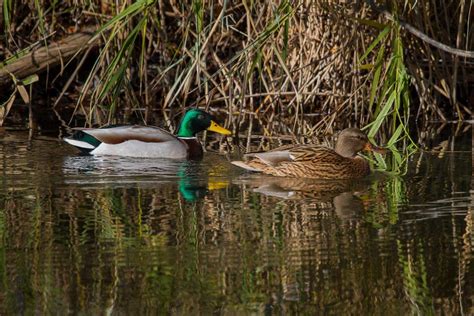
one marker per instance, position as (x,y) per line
(218,129)
(370,147)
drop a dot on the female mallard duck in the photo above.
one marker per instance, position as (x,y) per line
(314,161)
(147,141)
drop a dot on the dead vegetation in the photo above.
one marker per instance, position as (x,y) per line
(295,68)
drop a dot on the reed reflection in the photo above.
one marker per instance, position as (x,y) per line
(136,237)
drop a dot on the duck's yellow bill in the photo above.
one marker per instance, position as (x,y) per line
(218,129)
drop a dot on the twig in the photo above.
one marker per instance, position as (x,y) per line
(420,34)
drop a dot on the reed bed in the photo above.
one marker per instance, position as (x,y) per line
(270,68)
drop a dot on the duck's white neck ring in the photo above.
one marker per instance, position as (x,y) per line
(191,137)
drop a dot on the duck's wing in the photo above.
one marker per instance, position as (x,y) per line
(281,155)
(119,134)
(258,161)
(313,153)
(272,157)
(110,139)
(298,153)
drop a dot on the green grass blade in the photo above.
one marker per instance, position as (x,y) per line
(383,113)
(375,82)
(377,40)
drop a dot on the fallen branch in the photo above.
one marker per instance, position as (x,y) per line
(46,56)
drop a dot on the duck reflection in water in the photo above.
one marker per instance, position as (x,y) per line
(193,178)
(342,195)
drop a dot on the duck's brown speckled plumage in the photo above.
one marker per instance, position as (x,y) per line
(312,161)
(315,162)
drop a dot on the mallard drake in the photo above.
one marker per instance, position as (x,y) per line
(314,161)
(147,141)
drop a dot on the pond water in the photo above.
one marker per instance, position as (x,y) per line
(89,235)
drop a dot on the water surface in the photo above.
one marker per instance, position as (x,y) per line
(89,235)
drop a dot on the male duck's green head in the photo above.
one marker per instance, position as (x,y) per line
(195,121)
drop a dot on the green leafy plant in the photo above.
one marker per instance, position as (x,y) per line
(389,100)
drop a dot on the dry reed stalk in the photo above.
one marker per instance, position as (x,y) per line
(274,68)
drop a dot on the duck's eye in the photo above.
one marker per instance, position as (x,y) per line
(200,117)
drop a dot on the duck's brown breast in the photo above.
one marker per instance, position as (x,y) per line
(195,151)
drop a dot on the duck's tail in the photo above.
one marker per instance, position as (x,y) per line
(245,166)
(83,141)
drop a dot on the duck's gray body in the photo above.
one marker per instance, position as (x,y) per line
(132,141)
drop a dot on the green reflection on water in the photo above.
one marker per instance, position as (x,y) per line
(94,236)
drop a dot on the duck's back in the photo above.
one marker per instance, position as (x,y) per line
(129,140)
(308,161)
